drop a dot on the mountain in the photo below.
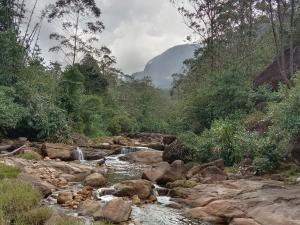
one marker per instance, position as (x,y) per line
(161,68)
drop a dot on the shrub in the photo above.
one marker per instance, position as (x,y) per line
(17,197)
(286,114)
(229,141)
(8,171)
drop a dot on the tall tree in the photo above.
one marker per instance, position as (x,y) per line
(207,18)
(79,23)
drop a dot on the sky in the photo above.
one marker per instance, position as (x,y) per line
(136,31)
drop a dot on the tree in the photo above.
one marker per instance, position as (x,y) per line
(71,89)
(79,21)
(206,18)
(95,82)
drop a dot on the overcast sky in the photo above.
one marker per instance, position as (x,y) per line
(136,31)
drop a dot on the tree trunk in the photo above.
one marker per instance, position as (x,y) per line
(75,39)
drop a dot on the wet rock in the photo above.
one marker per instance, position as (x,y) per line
(88,207)
(95,180)
(96,154)
(57,151)
(175,151)
(136,200)
(141,188)
(152,199)
(116,211)
(64,197)
(144,156)
(243,221)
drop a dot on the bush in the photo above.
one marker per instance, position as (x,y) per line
(286,113)
(8,171)
(17,197)
(229,141)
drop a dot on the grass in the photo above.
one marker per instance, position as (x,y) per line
(30,156)
(8,171)
(17,197)
(68,221)
(37,216)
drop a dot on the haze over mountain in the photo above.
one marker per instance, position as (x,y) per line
(161,68)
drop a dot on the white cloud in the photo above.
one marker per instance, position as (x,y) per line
(136,30)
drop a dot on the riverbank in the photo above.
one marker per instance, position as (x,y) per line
(125,180)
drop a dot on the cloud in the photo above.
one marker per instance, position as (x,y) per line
(136,31)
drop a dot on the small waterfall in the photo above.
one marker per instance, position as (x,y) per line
(78,154)
(162,195)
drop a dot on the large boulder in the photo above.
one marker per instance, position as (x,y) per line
(219,211)
(214,173)
(95,180)
(88,207)
(144,157)
(96,154)
(116,211)
(198,168)
(175,151)
(164,173)
(176,171)
(129,188)
(57,151)
(156,171)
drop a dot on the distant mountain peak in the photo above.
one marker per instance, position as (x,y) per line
(162,67)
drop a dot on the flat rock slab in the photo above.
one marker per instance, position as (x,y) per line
(243,202)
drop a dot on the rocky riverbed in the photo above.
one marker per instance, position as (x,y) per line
(126,181)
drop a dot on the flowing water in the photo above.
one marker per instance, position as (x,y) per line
(78,154)
(150,214)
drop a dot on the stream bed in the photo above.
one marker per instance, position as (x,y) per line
(148,214)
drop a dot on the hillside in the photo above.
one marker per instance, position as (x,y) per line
(161,67)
